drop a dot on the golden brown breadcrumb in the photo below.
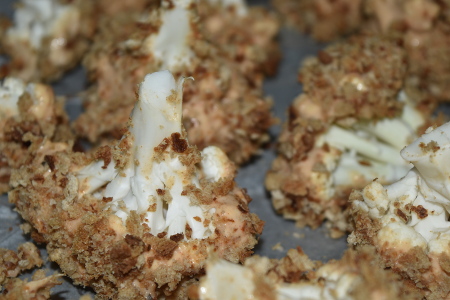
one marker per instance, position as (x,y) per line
(325,20)
(249,38)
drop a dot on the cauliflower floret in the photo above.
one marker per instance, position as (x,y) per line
(136,219)
(226,109)
(28,113)
(295,277)
(409,218)
(345,130)
(47,38)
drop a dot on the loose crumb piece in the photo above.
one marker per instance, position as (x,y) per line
(13,263)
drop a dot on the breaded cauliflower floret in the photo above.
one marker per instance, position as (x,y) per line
(225,108)
(355,276)
(28,113)
(346,129)
(323,19)
(47,38)
(137,218)
(408,221)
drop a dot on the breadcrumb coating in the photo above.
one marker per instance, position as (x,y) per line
(247,34)
(87,235)
(325,20)
(348,84)
(47,39)
(223,107)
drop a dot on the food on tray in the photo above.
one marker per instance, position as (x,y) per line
(408,221)
(358,275)
(12,263)
(344,130)
(47,38)
(323,19)
(29,114)
(222,107)
(247,34)
(137,218)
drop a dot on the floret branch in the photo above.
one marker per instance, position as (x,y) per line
(417,205)
(155,173)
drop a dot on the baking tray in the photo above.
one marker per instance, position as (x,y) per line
(279,235)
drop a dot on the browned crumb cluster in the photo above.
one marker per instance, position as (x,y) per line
(355,80)
(249,37)
(36,289)
(58,52)
(222,107)
(13,263)
(92,245)
(41,120)
(323,19)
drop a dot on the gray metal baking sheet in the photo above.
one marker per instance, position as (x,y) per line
(279,235)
